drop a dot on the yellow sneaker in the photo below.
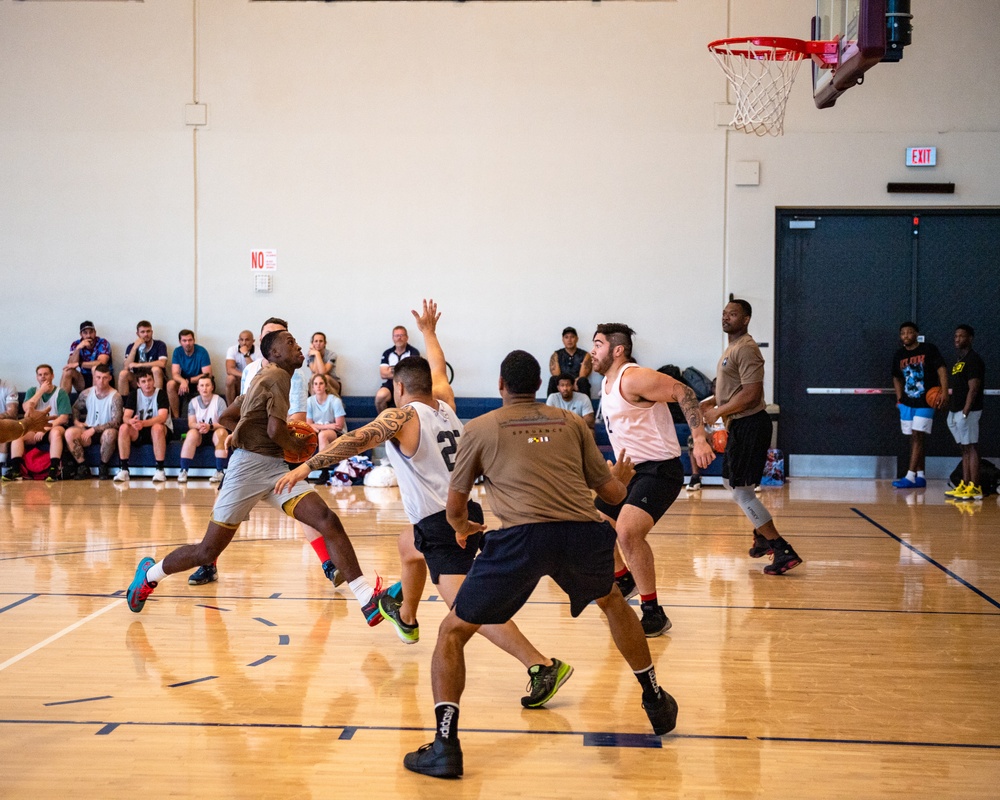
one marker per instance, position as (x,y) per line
(970,492)
(957,491)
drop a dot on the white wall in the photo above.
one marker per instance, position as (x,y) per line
(530,165)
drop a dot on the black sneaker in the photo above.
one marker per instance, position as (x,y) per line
(332,573)
(13,474)
(389,605)
(53,475)
(544,682)
(203,575)
(626,585)
(785,558)
(103,473)
(439,759)
(761,546)
(82,472)
(654,620)
(662,713)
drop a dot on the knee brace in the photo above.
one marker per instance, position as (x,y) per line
(752,507)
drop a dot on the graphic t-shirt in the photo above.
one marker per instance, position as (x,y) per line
(967,368)
(917,369)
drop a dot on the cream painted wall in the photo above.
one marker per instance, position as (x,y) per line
(530,165)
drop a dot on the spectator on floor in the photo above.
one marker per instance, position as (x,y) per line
(97,415)
(204,412)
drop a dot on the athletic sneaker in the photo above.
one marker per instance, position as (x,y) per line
(654,619)
(957,491)
(140,588)
(761,546)
(82,472)
(971,492)
(626,585)
(370,609)
(693,486)
(389,605)
(159,476)
(103,472)
(438,759)
(662,713)
(182,476)
(756,488)
(217,477)
(784,558)
(122,476)
(906,483)
(205,574)
(13,474)
(335,576)
(544,682)
(53,475)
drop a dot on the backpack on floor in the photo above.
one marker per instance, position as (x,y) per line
(36,464)
(989,476)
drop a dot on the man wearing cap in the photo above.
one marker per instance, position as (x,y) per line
(570,360)
(84,354)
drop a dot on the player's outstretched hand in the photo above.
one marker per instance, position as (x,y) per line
(427,320)
(470,529)
(292,477)
(36,421)
(623,469)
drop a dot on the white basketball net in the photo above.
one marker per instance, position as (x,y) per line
(762,76)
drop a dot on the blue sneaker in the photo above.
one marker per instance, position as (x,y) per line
(140,588)
(372,615)
(906,483)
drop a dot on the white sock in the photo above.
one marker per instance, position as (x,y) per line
(156,573)
(920,473)
(911,475)
(362,591)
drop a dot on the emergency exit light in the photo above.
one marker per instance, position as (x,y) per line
(921,156)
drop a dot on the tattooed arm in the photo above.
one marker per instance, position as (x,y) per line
(384,427)
(116,415)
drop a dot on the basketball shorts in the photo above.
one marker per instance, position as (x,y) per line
(435,539)
(915,419)
(964,429)
(578,556)
(250,479)
(653,488)
(746,449)
(146,436)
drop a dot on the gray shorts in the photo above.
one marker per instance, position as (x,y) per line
(964,429)
(250,478)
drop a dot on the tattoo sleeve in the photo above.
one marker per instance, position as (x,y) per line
(692,411)
(384,427)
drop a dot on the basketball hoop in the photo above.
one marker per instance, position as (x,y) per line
(761,70)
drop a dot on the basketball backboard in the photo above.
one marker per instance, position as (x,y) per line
(859,28)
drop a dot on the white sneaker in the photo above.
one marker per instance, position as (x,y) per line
(217,477)
(159,476)
(691,488)
(122,476)
(182,476)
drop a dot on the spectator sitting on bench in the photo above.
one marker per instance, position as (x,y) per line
(9,409)
(570,360)
(146,421)
(84,354)
(49,398)
(400,349)
(568,399)
(204,411)
(144,355)
(237,358)
(323,361)
(326,414)
(189,361)
(97,415)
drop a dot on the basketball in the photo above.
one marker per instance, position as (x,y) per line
(719,439)
(933,396)
(304,431)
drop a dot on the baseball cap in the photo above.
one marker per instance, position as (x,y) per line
(569,330)
(87,325)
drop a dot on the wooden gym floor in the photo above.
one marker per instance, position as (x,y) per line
(871,671)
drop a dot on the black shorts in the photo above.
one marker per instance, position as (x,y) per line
(435,539)
(653,488)
(746,449)
(146,436)
(578,556)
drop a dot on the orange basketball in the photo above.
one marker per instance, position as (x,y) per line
(933,396)
(719,439)
(304,431)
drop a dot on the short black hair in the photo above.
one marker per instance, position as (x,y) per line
(274,321)
(967,328)
(143,323)
(102,368)
(747,308)
(520,372)
(415,375)
(617,333)
(565,376)
(909,324)
(268,342)
(185,332)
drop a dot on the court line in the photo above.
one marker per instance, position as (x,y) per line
(108,727)
(55,636)
(15,605)
(929,560)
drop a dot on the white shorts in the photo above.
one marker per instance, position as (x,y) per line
(250,478)
(915,419)
(964,429)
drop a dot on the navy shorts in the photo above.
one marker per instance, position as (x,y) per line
(435,539)
(746,449)
(653,488)
(578,556)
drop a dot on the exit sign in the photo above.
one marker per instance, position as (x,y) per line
(921,156)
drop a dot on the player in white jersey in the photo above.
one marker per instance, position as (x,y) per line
(421,436)
(204,412)
(634,407)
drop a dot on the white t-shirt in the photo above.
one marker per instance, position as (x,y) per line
(206,412)
(234,354)
(325,413)
(580,404)
(8,396)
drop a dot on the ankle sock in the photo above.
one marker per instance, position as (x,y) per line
(647,680)
(447,722)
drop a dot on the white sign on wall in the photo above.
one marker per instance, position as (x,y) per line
(263,260)
(921,156)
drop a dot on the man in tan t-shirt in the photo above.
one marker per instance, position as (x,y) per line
(739,401)
(540,465)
